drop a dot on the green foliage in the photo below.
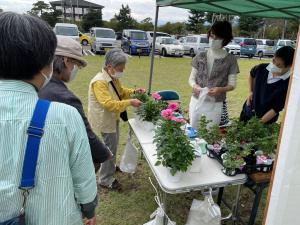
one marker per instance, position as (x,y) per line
(249,25)
(211,134)
(195,21)
(150,110)
(52,17)
(92,19)
(143,97)
(125,21)
(146,24)
(173,147)
(173,28)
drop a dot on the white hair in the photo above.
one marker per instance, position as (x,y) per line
(115,57)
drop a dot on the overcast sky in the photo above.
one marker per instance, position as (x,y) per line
(140,9)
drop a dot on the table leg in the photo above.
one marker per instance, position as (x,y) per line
(236,205)
(220,195)
(164,202)
(258,194)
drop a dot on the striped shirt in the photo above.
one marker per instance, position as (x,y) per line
(65,175)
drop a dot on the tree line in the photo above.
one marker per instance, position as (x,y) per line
(197,23)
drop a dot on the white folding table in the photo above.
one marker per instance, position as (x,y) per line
(210,175)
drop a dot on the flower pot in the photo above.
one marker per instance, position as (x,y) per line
(148,126)
(174,178)
(229,171)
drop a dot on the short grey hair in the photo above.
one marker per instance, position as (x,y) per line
(115,57)
(58,64)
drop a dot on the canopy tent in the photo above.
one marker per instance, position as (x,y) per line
(284,9)
(283,196)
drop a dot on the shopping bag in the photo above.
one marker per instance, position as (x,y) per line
(204,106)
(129,158)
(204,212)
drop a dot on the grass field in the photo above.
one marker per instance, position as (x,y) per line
(136,202)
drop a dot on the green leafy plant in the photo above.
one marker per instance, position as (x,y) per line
(211,134)
(143,97)
(173,147)
(151,107)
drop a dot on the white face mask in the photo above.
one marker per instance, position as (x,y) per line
(273,69)
(73,73)
(47,78)
(117,75)
(215,43)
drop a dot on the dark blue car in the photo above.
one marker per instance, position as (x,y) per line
(135,42)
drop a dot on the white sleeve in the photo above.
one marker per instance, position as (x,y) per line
(192,79)
(232,80)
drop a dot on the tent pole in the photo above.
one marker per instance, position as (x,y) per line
(153,50)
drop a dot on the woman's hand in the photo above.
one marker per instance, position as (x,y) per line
(249,99)
(135,102)
(196,89)
(214,91)
(140,90)
(91,221)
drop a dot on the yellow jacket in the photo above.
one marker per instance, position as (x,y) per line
(104,106)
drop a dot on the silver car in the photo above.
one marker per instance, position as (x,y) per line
(265,47)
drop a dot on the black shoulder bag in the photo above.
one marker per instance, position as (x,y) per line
(123,115)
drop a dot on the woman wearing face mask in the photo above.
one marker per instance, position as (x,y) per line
(268,85)
(214,69)
(107,100)
(68,60)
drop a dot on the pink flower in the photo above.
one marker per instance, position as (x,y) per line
(178,120)
(174,106)
(156,96)
(167,114)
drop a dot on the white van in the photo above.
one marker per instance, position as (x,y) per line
(158,34)
(195,43)
(67,29)
(103,39)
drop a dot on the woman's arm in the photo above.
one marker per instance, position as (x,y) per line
(268,116)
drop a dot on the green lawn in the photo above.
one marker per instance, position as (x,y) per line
(136,202)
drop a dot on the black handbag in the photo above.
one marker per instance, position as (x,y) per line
(247,112)
(123,115)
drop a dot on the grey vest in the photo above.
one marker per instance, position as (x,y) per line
(219,74)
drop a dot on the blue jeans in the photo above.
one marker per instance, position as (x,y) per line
(14,221)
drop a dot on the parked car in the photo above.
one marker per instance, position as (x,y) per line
(84,38)
(67,29)
(135,42)
(158,34)
(195,43)
(248,46)
(103,39)
(265,47)
(168,46)
(284,42)
(233,48)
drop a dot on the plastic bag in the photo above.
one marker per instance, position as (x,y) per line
(204,213)
(129,158)
(204,106)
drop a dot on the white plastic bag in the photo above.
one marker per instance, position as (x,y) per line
(204,106)
(204,213)
(129,158)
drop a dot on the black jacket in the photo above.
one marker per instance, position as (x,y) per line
(57,91)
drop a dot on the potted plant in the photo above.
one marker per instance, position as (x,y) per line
(173,147)
(149,111)
(212,135)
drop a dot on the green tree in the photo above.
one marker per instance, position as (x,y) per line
(39,7)
(92,19)
(249,26)
(113,24)
(51,17)
(146,24)
(195,21)
(125,21)
(173,28)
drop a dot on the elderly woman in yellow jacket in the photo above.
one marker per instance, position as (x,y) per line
(107,100)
